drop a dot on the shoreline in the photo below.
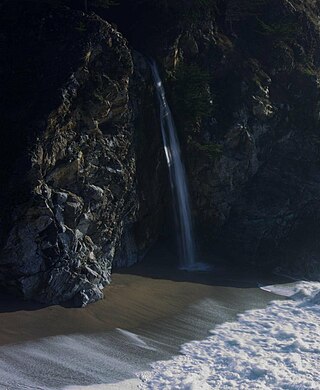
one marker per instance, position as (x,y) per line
(144,318)
(131,301)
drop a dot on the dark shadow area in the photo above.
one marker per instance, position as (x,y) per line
(11,303)
(161,263)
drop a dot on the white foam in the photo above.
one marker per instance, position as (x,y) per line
(135,339)
(285,290)
(99,361)
(130,384)
(273,348)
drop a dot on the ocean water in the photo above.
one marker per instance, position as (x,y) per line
(273,348)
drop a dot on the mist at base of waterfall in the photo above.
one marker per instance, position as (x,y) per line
(197,267)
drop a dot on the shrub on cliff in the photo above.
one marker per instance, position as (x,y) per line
(191,94)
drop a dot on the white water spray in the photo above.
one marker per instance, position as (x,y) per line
(177,175)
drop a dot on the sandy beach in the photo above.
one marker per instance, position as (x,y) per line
(132,301)
(147,314)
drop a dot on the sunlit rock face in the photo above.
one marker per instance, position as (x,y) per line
(68,148)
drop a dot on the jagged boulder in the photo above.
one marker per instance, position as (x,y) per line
(67,147)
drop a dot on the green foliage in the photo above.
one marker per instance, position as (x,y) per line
(280,30)
(81,27)
(308,70)
(191,94)
(210,150)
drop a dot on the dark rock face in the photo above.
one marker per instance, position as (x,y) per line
(253,156)
(83,176)
(153,191)
(73,184)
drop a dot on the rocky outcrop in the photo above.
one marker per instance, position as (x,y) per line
(153,191)
(82,171)
(72,184)
(257,180)
(262,191)
(243,81)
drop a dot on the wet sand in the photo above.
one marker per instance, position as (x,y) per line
(132,301)
(146,315)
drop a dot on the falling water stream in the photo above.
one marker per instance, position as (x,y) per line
(177,175)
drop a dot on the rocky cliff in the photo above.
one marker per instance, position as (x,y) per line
(257,180)
(243,80)
(69,177)
(83,176)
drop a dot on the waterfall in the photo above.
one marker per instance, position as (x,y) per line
(178,180)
